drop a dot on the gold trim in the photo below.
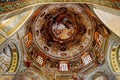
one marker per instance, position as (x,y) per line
(114,62)
(20,23)
(14,62)
(6,23)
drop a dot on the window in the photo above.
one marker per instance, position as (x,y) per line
(39,60)
(87,60)
(63,66)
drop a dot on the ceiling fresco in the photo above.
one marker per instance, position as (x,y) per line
(63,41)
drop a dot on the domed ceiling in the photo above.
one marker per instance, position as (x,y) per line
(60,42)
(63,31)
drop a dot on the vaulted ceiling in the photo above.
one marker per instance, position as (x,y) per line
(54,40)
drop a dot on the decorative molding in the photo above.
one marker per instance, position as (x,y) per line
(11,6)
